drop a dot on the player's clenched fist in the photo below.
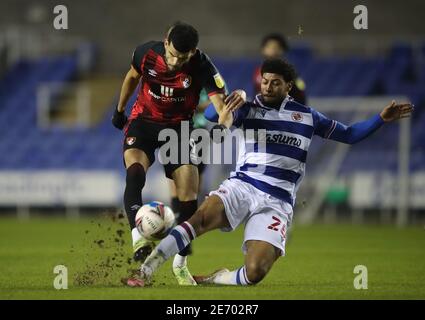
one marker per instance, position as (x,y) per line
(119,119)
(235,100)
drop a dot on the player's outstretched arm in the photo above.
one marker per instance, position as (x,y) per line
(227,117)
(224,106)
(236,100)
(131,80)
(331,129)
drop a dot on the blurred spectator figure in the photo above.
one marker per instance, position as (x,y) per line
(275,45)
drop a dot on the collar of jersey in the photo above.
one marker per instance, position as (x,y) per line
(282,105)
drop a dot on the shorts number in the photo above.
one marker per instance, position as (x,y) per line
(274,226)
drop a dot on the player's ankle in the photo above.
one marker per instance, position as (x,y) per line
(146,271)
(136,236)
(179,261)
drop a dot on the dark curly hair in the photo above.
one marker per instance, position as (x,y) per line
(281,67)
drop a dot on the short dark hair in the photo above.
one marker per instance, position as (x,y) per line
(183,36)
(281,67)
(279,38)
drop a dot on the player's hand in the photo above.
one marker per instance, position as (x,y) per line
(225,117)
(119,119)
(235,100)
(396,111)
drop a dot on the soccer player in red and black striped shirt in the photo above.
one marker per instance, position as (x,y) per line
(170,76)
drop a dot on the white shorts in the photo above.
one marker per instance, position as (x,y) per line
(266,218)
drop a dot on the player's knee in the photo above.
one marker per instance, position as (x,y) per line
(200,221)
(136,175)
(186,195)
(187,192)
(255,271)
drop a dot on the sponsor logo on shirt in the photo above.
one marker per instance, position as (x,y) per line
(166,98)
(283,139)
(167,91)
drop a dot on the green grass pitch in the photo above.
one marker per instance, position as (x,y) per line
(319,263)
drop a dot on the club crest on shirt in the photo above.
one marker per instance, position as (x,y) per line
(296,116)
(186,81)
(130,140)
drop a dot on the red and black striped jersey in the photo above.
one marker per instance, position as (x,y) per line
(171,96)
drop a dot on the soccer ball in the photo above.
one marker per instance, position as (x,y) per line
(154,220)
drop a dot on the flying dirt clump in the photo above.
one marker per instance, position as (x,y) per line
(107,258)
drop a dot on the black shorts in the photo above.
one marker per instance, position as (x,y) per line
(201,168)
(144,135)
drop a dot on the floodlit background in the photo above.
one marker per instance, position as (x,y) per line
(61,163)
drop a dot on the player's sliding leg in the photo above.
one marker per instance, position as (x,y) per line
(137,164)
(186,180)
(259,259)
(209,216)
(264,241)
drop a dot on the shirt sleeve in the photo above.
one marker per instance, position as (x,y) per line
(138,55)
(211,79)
(337,131)
(238,115)
(323,126)
(210,113)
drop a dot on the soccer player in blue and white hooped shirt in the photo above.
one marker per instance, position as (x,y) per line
(261,191)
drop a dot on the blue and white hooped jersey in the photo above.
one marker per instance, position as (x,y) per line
(277,166)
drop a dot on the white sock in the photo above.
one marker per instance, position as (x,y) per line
(236,277)
(135,235)
(179,261)
(152,263)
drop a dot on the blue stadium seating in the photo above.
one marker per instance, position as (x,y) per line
(24,146)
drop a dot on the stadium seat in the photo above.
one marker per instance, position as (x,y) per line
(29,147)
